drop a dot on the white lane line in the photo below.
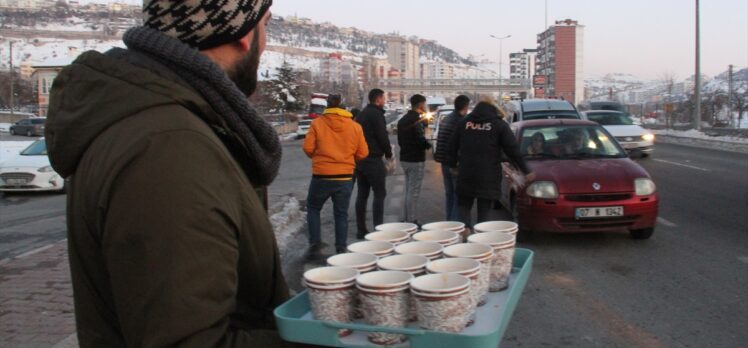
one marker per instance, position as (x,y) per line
(744,259)
(681,165)
(665,222)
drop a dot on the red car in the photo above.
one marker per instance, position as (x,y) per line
(584,182)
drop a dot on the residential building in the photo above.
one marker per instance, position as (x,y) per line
(404,55)
(519,65)
(437,70)
(45,73)
(335,69)
(560,60)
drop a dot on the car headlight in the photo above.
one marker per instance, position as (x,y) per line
(45,169)
(542,189)
(644,186)
(648,137)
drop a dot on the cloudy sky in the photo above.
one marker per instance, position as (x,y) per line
(646,38)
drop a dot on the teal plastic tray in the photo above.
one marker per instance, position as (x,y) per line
(296,324)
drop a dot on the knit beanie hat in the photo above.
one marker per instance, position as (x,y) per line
(204,24)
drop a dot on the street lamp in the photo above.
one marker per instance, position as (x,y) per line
(501,57)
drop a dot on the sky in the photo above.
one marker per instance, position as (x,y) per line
(645,38)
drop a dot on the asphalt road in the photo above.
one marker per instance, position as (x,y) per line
(685,287)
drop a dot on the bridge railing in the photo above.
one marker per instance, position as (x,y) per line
(431,83)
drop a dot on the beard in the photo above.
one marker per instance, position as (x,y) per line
(244,72)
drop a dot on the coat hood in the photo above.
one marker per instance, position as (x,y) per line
(98,90)
(336,119)
(483,112)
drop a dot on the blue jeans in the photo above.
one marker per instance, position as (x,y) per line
(319,191)
(450,189)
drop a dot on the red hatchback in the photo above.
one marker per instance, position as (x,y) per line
(584,182)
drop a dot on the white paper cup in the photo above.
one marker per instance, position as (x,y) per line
(501,264)
(469,268)
(443,237)
(443,301)
(479,252)
(376,247)
(331,294)
(432,250)
(385,299)
(407,263)
(398,226)
(499,226)
(454,226)
(359,261)
(395,237)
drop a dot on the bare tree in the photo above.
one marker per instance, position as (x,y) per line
(668,81)
(739,99)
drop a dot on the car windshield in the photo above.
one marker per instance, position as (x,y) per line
(38,148)
(316,109)
(568,142)
(610,118)
(544,115)
(37,121)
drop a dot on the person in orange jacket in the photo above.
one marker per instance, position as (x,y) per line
(334,143)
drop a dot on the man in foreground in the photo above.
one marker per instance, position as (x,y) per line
(169,244)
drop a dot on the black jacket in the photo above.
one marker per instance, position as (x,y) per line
(475,149)
(371,119)
(411,138)
(446,129)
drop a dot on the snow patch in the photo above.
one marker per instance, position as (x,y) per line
(287,222)
(694,134)
(5,127)
(10,149)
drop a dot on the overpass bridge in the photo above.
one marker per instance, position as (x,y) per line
(453,86)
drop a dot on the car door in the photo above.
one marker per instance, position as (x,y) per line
(509,179)
(22,126)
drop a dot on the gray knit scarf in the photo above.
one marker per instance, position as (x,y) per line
(252,141)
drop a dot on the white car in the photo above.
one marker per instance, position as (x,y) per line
(303,128)
(633,138)
(30,171)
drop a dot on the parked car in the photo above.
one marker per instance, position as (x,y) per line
(303,128)
(635,139)
(584,182)
(29,127)
(602,105)
(30,171)
(536,109)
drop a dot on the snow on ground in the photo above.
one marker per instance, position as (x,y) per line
(41,50)
(287,221)
(694,134)
(9,149)
(288,137)
(5,127)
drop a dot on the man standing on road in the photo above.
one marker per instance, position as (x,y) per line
(446,129)
(169,244)
(413,146)
(370,172)
(334,143)
(476,151)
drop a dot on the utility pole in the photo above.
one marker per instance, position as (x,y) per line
(697,78)
(12,92)
(730,94)
(501,58)
(546,15)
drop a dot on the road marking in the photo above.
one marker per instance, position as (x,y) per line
(743,259)
(665,222)
(681,165)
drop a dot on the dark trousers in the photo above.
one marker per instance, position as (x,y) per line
(465,204)
(450,190)
(370,176)
(319,191)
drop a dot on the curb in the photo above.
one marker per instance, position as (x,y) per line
(704,143)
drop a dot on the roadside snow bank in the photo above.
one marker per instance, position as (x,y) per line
(5,127)
(287,220)
(698,139)
(694,134)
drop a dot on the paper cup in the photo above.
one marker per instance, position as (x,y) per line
(411,263)
(393,236)
(469,268)
(376,247)
(398,226)
(443,301)
(443,237)
(479,252)
(331,294)
(431,250)
(501,264)
(385,299)
(454,226)
(359,261)
(498,226)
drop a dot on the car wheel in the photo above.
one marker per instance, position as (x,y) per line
(523,235)
(643,233)
(12,131)
(29,133)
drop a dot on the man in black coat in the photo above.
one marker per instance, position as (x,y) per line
(413,145)
(475,150)
(370,172)
(446,129)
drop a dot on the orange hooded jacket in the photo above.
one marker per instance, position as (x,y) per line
(335,142)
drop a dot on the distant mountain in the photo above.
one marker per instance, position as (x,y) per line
(303,33)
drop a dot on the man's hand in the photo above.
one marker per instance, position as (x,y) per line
(530,177)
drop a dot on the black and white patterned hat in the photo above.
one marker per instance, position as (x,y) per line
(204,24)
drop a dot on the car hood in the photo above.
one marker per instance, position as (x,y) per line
(21,161)
(624,131)
(579,176)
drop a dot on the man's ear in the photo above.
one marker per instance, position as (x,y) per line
(246,42)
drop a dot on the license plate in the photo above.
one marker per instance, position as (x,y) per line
(598,212)
(16,182)
(629,145)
